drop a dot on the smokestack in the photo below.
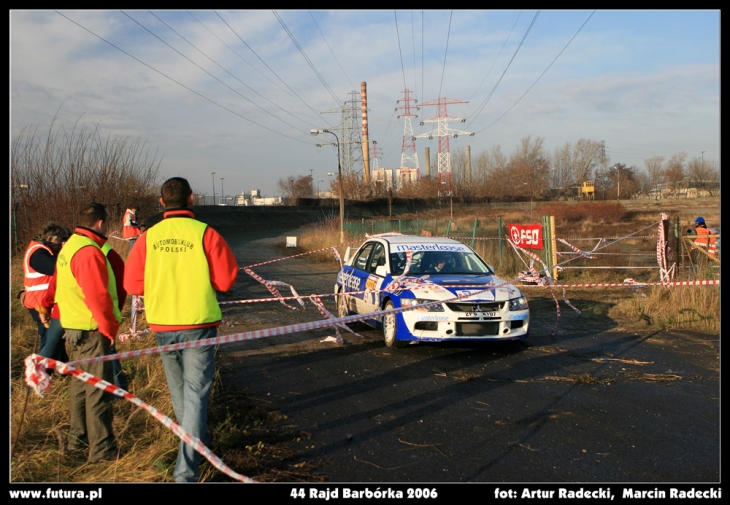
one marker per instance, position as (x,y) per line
(428,162)
(365,140)
(468,165)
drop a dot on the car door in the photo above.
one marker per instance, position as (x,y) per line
(354,279)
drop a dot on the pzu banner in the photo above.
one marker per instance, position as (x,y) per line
(528,236)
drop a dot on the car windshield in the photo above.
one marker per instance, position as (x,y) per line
(439,262)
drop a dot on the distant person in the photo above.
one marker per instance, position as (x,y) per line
(39,264)
(86,295)
(704,243)
(130,226)
(178,266)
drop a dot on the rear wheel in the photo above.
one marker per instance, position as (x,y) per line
(390,329)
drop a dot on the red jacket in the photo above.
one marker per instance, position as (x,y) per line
(88,267)
(130,227)
(221,262)
(117,264)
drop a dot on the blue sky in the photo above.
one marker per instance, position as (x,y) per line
(237,92)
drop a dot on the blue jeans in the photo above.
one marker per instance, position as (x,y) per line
(189,375)
(54,346)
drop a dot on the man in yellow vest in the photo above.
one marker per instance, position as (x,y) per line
(87,299)
(178,264)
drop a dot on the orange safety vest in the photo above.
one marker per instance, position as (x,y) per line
(36,283)
(128,230)
(705,240)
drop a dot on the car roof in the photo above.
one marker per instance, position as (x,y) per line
(410,239)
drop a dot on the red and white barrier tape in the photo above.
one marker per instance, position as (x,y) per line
(137,307)
(35,368)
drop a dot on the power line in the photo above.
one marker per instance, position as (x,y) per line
(489,96)
(270,69)
(304,55)
(543,73)
(178,82)
(400,51)
(204,70)
(331,51)
(446,50)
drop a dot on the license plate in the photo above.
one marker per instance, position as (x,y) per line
(481,314)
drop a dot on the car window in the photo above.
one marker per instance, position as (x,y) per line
(361,260)
(377,258)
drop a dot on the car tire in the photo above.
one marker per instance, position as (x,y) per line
(390,331)
(342,310)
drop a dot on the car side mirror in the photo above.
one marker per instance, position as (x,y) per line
(381,270)
(491,267)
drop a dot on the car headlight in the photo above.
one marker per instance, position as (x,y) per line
(414,302)
(518,303)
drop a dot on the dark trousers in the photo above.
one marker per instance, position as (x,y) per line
(90,408)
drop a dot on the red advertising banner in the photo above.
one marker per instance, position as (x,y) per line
(528,236)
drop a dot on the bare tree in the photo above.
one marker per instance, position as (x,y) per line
(674,172)
(655,171)
(529,165)
(296,187)
(52,176)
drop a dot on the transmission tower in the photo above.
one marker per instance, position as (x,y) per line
(349,132)
(409,170)
(443,132)
(375,154)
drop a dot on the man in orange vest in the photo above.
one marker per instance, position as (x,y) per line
(39,264)
(705,238)
(178,266)
(130,226)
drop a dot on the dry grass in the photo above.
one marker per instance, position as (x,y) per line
(248,436)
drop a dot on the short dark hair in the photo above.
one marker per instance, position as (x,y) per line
(55,230)
(91,213)
(175,192)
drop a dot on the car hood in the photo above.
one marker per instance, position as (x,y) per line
(459,285)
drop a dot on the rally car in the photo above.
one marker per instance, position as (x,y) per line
(396,271)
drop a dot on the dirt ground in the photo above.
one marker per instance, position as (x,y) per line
(593,399)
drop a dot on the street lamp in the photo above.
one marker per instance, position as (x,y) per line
(318,195)
(213,175)
(316,132)
(222,193)
(617,166)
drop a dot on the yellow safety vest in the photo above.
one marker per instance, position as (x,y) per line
(75,315)
(177,289)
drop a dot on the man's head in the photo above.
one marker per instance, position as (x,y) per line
(176,193)
(700,221)
(55,236)
(95,217)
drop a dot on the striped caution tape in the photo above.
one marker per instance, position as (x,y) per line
(638,284)
(35,366)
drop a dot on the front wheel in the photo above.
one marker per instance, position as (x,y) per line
(342,309)
(390,328)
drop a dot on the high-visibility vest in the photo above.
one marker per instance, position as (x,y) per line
(128,230)
(705,240)
(75,314)
(177,288)
(35,283)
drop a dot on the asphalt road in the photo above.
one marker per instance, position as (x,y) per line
(592,403)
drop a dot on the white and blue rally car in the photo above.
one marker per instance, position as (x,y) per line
(393,271)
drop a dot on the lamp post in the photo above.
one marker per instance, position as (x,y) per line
(318,195)
(213,175)
(222,193)
(315,132)
(618,181)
